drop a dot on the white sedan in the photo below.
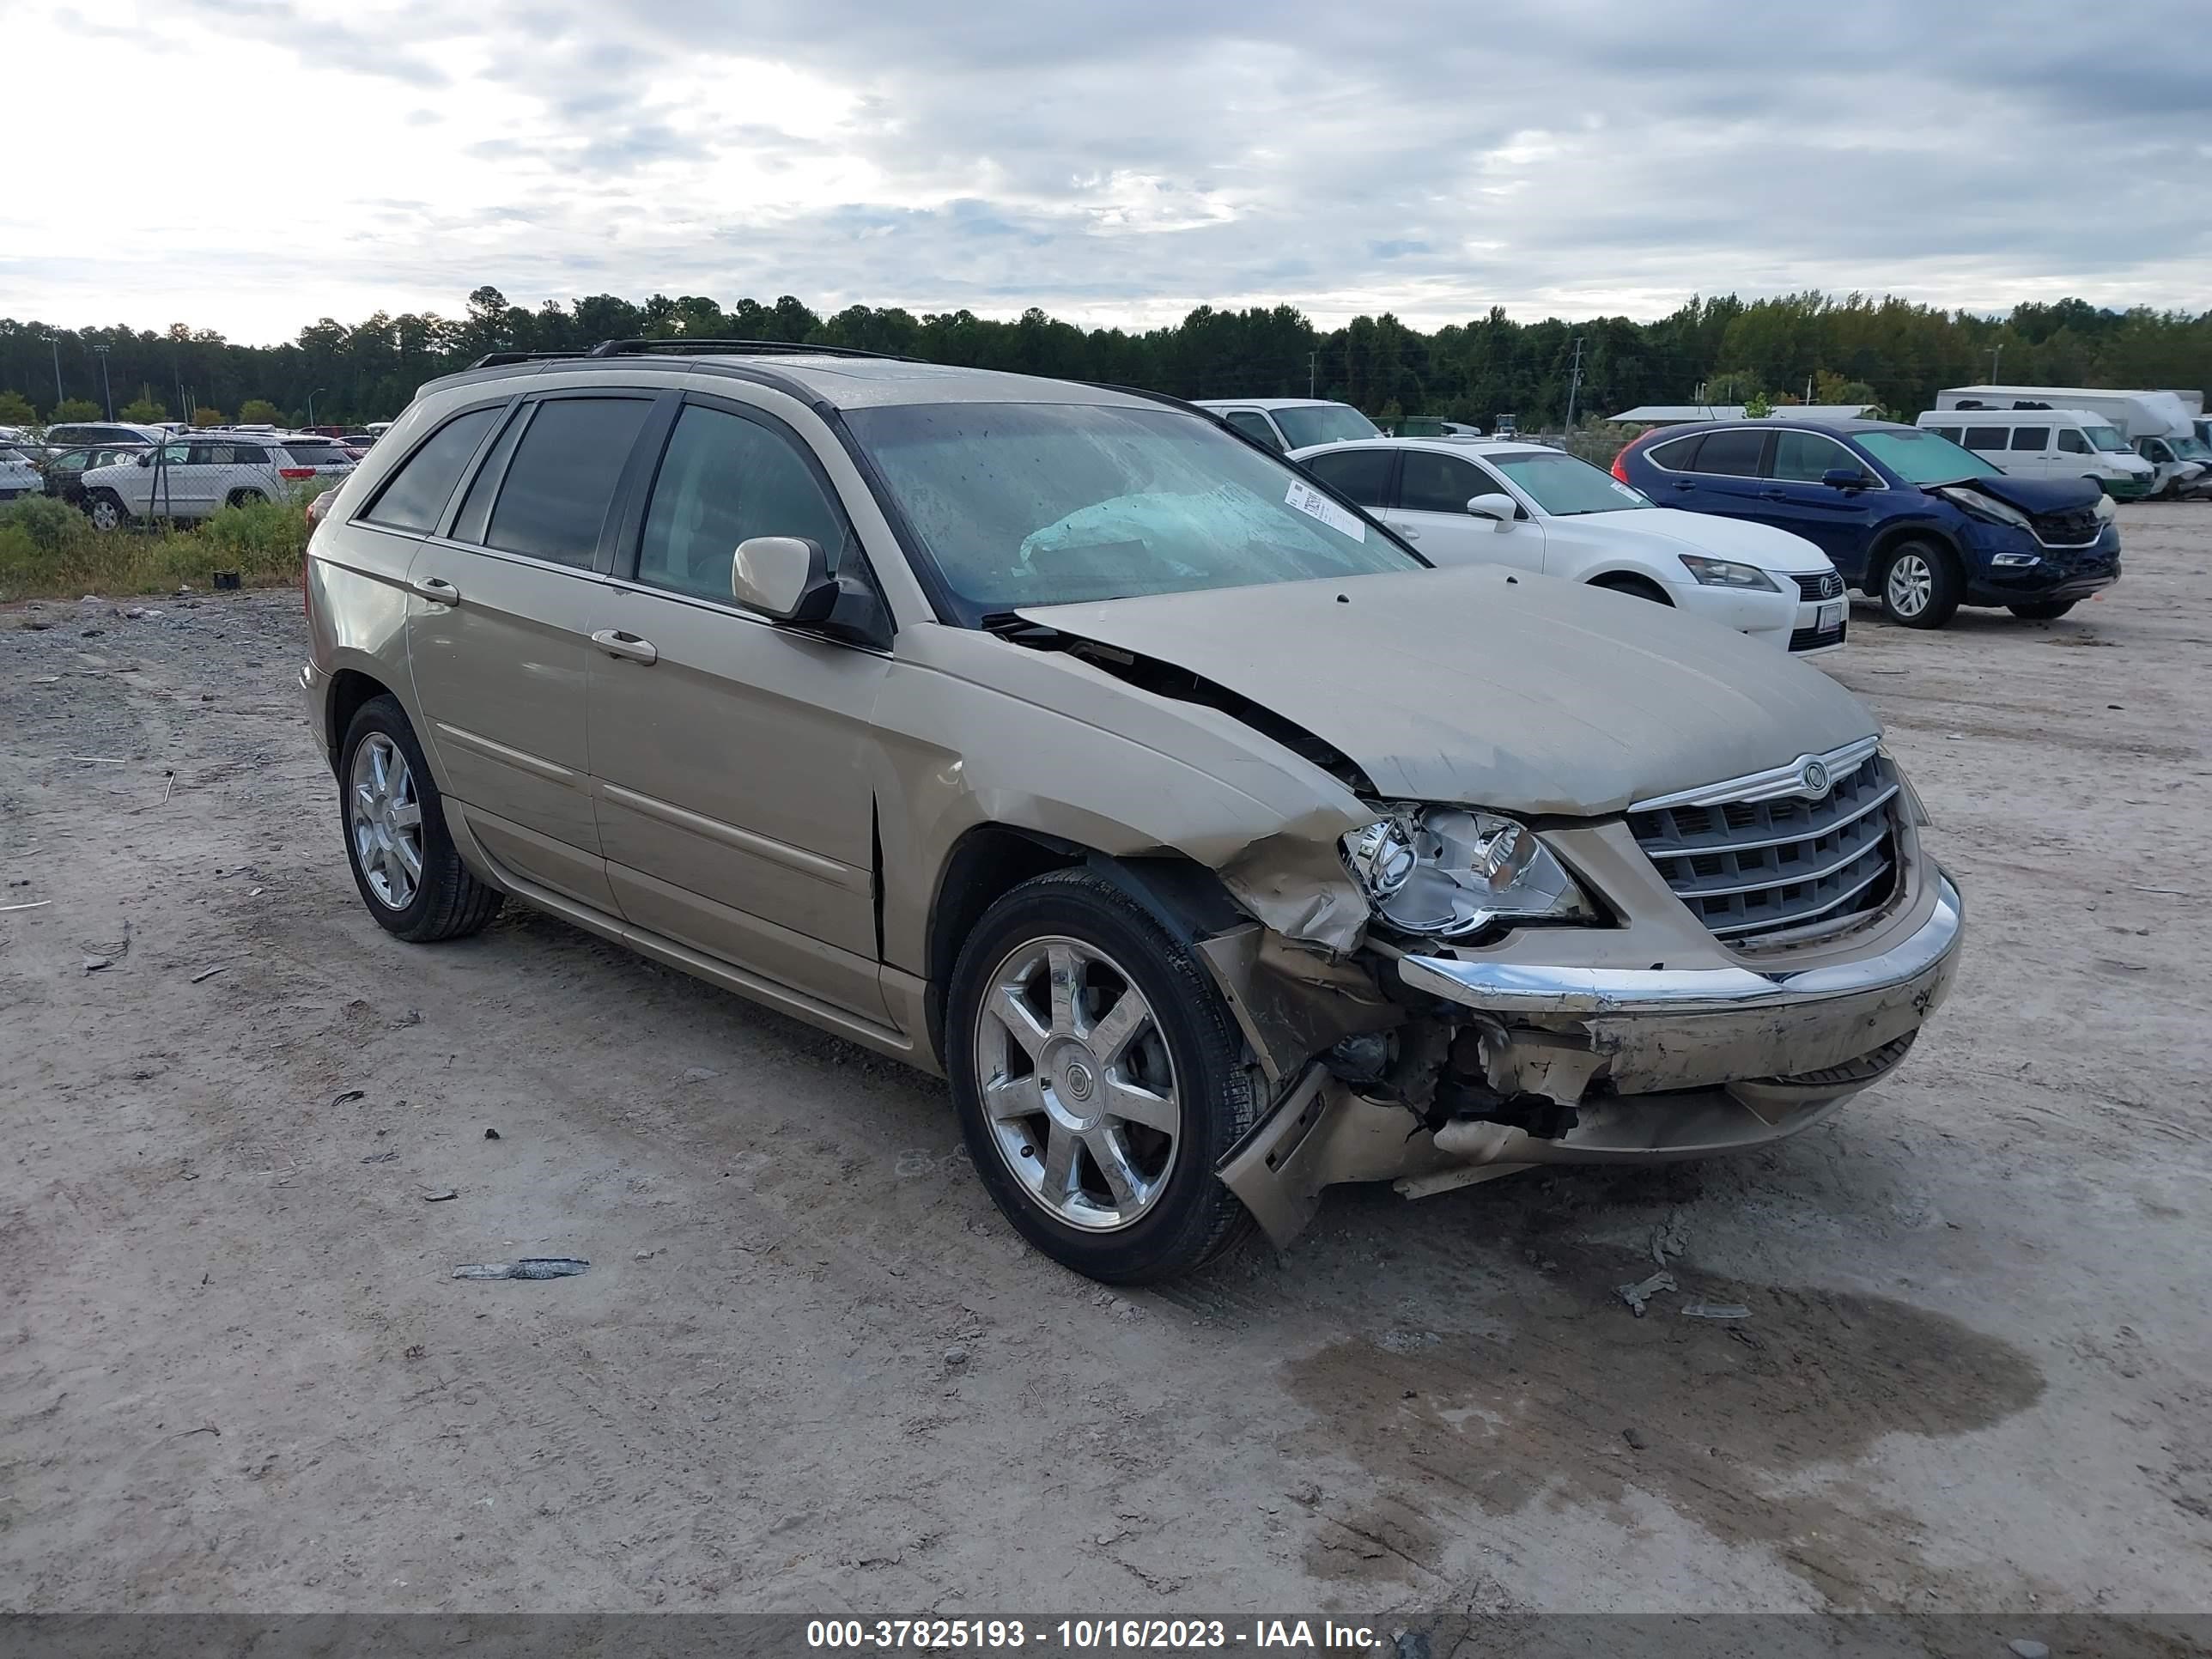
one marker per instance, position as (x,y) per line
(1509,502)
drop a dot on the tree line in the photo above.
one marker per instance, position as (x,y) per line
(1801,346)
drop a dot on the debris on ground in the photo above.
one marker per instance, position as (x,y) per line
(350,1095)
(531,1267)
(210,973)
(1637,1294)
(35,904)
(441,1197)
(1669,1238)
(1715,1310)
(1635,1439)
(94,964)
(381,1158)
(2028,1648)
(955,1359)
(491,1134)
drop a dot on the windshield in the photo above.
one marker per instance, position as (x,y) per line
(2191,449)
(2107,438)
(1565,487)
(1324,423)
(1923,458)
(1021,504)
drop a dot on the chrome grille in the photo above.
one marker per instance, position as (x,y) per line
(1825,586)
(1762,869)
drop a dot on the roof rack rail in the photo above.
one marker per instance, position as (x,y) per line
(498,359)
(684,343)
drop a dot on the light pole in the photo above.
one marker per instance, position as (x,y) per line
(55,341)
(312,395)
(107,396)
(1995,352)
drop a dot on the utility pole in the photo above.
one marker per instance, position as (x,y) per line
(1995,352)
(55,341)
(1313,370)
(1574,383)
(1808,392)
(312,395)
(106,395)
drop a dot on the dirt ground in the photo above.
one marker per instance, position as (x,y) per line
(810,1369)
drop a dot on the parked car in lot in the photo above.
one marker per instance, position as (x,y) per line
(1907,516)
(2184,466)
(194,477)
(1216,846)
(1286,424)
(2049,443)
(1511,502)
(76,433)
(19,473)
(63,470)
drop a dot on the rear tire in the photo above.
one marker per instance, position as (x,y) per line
(2043,610)
(1096,1123)
(403,860)
(105,510)
(1919,585)
(247,497)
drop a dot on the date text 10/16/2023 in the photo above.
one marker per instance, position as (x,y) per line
(1088,1635)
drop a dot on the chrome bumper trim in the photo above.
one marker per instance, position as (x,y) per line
(1518,988)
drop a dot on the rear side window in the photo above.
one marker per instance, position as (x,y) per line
(1253,425)
(1359,474)
(1431,483)
(724,480)
(1675,454)
(317,454)
(414,497)
(1732,454)
(558,487)
(1985,437)
(2034,439)
(1950,432)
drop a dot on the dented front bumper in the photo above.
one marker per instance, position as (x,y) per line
(1657,1064)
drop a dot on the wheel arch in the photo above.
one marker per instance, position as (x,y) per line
(1888,541)
(990,859)
(1628,578)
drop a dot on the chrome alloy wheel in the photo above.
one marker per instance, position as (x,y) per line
(386,819)
(1077,1083)
(1910,585)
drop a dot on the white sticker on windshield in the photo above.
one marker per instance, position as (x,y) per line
(1315,504)
(1632,495)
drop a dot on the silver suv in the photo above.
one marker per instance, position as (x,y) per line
(193,478)
(1064,741)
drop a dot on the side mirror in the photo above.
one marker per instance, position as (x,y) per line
(1499,507)
(784,578)
(146,458)
(1843,478)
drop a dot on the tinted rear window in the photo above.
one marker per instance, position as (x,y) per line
(1733,454)
(1675,454)
(562,480)
(317,454)
(1986,437)
(416,493)
(1362,475)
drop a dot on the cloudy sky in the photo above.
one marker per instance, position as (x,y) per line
(251,165)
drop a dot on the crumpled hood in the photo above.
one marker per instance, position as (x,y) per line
(1480,686)
(2034,495)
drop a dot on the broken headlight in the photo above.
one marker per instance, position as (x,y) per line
(1451,871)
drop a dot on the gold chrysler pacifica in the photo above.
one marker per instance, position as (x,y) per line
(1062,740)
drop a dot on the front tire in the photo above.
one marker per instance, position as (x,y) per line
(246,498)
(105,510)
(1099,1080)
(1919,585)
(2042,610)
(409,874)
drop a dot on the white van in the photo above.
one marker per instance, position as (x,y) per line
(2047,443)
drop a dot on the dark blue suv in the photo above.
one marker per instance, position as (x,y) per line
(1907,517)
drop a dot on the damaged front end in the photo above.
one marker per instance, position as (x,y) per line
(1518,998)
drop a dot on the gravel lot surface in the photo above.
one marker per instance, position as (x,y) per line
(810,1369)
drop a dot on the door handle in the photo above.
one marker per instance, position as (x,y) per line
(1773,496)
(615,643)
(1684,483)
(434,589)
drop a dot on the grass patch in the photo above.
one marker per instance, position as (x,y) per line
(49,551)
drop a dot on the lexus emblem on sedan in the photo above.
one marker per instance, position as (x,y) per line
(1815,779)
